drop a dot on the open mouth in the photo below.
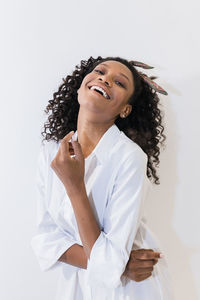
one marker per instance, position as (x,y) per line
(100,91)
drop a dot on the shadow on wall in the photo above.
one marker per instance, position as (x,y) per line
(160,208)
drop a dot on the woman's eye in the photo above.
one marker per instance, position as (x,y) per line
(120,83)
(101,72)
(98,71)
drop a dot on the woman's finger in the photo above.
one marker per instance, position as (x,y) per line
(64,145)
(145,254)
(68,136)
(71,149)
(77,150)
(143,277)
(155,261)
(141,264)
(143,271)
(137,277)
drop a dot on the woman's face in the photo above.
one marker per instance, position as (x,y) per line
(117,82)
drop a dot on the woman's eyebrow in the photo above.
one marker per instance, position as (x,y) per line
(119,73)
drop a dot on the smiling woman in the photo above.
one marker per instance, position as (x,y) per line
(93,182)
(143,125)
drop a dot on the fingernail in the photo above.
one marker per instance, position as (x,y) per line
(161,255)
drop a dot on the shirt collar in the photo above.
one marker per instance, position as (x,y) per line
(105,144)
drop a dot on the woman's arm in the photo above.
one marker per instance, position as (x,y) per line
(75,256)
(49,241)
(139,267)
(71,172)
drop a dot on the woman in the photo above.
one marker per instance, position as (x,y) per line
(93,182)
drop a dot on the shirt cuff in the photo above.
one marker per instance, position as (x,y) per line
(106,264)
(48,252)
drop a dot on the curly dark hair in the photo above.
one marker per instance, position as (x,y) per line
(143,125)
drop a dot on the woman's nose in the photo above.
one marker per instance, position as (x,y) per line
(106,81)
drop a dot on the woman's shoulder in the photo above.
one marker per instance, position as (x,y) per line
(127,157)
(126,148)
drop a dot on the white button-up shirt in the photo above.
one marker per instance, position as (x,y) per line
(117,187)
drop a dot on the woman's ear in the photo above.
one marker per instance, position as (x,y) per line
(129,109)
(126,111)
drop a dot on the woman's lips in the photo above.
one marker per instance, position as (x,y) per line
(98,93)
(101,86)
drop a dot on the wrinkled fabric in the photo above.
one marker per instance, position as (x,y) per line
(117,187)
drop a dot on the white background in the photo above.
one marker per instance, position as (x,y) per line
(42,41)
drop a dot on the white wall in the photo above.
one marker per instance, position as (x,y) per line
(42,41)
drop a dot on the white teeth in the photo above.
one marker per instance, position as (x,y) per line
(96,87)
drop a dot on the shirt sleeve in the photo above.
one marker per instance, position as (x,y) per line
(49,242)
(111,251)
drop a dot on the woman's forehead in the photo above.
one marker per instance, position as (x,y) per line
(117,64)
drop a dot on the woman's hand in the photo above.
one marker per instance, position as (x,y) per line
(70,170)
(140,264)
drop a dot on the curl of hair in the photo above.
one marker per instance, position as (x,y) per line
(143,125)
